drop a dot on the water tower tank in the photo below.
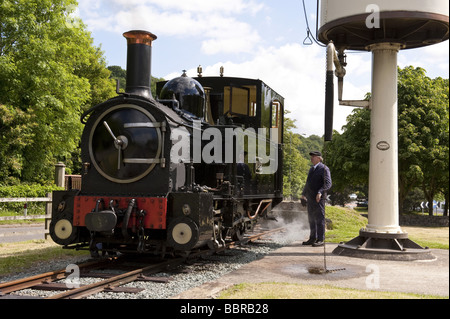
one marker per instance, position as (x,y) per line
(351,24)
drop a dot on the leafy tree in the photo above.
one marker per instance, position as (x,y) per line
(15,134)
(348,154)
(423,133)
(295,168)
(423,129)
(49,73)
(117,73)
(308,144)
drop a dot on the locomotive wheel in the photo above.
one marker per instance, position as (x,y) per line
(238,232)
(182,234)
(62,230)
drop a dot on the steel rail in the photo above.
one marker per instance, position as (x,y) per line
(86,290)
(83,291)
(131,276)
(254,237)
(31,281)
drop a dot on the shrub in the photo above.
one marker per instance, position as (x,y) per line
(24,190)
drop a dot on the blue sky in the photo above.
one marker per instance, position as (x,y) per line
(251,38)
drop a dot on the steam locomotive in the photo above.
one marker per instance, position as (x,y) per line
(201,162)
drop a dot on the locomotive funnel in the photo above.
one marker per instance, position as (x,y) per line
(139,57)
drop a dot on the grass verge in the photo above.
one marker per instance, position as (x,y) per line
(18,257)
(302,291)
(346,224)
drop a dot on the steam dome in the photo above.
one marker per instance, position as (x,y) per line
(188,92)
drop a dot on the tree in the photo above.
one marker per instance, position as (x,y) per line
(15,134)
(49,71)
(423,133)
(348,153)
(117,73)
(295,168)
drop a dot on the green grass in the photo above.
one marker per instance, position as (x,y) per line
(17,257)
(22,221)
(19,212)
(302,291)
(432,237)
(346,224)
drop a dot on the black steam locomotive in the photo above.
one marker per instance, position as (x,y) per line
(201,162)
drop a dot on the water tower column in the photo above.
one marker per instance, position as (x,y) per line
(383,173)
(383,238)
(383,27)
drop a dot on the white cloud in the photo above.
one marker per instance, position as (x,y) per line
(230,27)
(297,73)
(215,24)
(197,6)
(434,59)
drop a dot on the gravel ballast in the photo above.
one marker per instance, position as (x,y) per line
(187,276)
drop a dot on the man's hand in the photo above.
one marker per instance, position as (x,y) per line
(318,197)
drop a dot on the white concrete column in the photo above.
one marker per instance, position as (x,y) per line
(383,172)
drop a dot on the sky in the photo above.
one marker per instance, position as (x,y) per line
(260,39)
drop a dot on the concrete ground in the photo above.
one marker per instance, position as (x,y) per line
(21,232)
(290,264)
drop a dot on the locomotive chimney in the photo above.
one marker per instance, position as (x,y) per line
(139,56)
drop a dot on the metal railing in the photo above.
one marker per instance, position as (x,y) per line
(25,216)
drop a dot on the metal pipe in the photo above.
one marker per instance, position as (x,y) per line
(126,218)
(139,51)
(268,201)
(329,91)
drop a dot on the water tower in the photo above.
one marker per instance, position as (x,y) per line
(383,27)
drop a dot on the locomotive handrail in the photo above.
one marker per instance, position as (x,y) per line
(92,109)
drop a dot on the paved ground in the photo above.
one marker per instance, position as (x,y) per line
(291,263)
(18,232)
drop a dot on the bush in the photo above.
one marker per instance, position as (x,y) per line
(25,190)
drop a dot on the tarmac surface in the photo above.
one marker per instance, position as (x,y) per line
(290,264)
(21,232)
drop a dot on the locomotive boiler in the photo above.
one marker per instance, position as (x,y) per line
(200,162)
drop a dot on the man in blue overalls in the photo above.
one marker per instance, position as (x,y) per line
(315,193)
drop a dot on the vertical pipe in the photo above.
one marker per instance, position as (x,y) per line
(383,171)
(329,93)
(139,52)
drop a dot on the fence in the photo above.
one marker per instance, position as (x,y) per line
(61,179)
(25,216)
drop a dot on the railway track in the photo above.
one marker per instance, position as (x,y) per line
(56,280)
